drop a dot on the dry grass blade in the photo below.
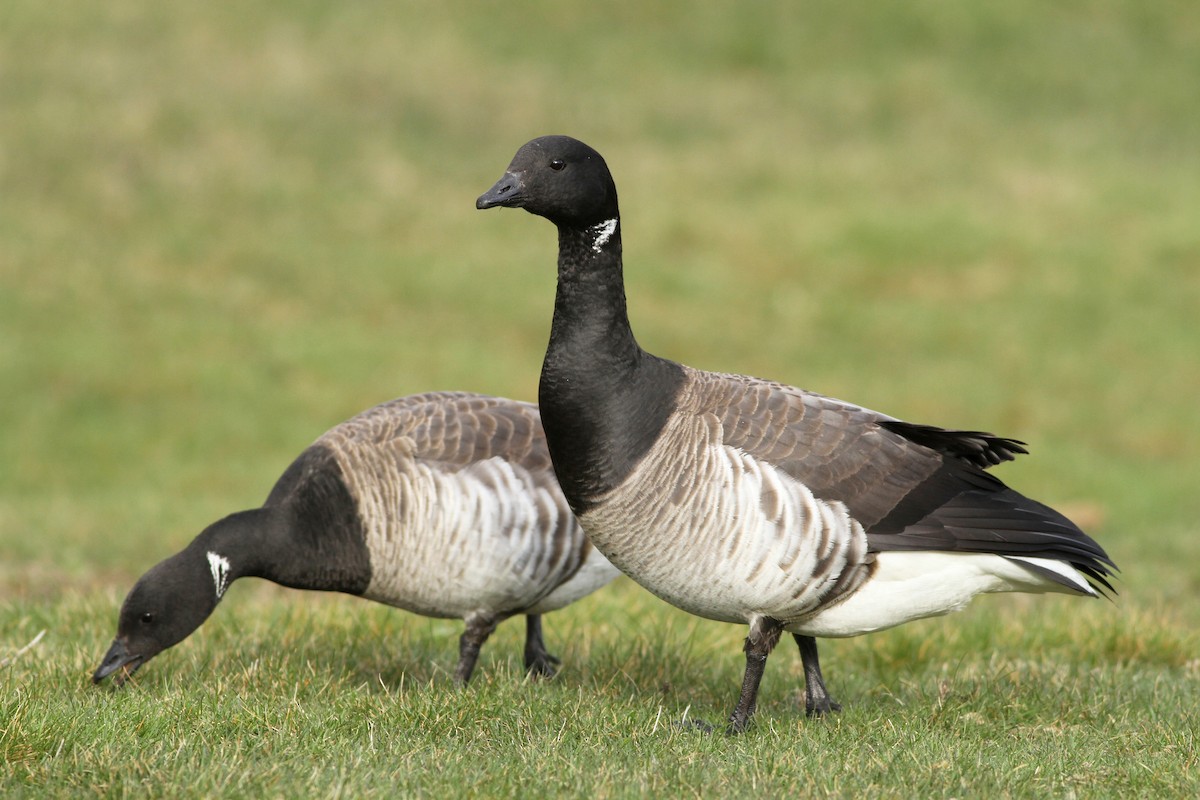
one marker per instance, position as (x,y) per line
(4,662)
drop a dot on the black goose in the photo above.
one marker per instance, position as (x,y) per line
(443,504)
(743,500)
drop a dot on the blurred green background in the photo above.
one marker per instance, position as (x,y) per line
(225,228)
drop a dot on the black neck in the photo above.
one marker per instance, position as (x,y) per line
(591,323)
(249,540)
(603,399)
(281,545)
(198,577)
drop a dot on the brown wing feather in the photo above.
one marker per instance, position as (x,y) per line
(455,428)
(912,487)
(838,450)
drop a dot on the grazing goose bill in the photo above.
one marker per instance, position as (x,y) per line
(118,657)
(748,501)
(443,504)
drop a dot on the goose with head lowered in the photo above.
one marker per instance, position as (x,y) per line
(748,501)
(443,504)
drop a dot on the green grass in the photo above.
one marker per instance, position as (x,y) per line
(223,231)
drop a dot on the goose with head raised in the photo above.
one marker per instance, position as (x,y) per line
(748,501)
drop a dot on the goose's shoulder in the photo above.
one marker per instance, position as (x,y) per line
(453,428)
(838,450)
(754,411)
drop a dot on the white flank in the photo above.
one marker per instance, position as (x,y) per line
(219,566)
(603,232)
(914,585)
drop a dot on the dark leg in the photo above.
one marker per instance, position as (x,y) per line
(538,662)
(477,632)
(817,702)
(764,635)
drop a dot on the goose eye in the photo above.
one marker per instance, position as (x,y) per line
(557,164)
(147,618)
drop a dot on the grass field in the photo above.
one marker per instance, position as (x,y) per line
(225,229)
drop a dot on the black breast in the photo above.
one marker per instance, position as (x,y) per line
(326,543)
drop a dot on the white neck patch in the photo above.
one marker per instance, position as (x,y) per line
(603,232)
(219,565)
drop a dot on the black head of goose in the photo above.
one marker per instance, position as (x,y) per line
(443,504)
(743,500)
